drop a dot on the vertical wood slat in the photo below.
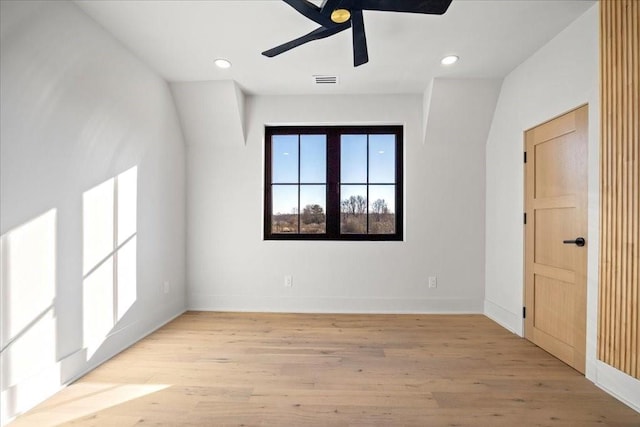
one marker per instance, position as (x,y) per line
(619,317)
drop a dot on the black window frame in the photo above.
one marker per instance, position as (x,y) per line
(333,133)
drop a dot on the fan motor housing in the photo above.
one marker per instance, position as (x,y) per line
(340,16)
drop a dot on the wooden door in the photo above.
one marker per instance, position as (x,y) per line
(556,214)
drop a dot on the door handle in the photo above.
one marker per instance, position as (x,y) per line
(578,242)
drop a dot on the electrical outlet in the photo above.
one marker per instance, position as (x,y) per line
(288,281)
(433,282)
(166,287)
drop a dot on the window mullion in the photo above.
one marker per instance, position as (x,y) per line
(367,200)
(333,184)
(399,186)
(268,209)
(299,155)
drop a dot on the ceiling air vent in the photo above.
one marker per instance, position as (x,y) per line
(325,80)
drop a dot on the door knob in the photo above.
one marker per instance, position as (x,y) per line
(578,242)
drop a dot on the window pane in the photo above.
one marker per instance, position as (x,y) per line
(353,209)
(353,158)
(313,159)
(284,214)
(382,208)
(313,209)
(284,155)
(382,159)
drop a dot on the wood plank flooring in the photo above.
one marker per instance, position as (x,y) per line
(233,369)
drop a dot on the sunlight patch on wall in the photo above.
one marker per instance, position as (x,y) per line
(28,323)
(98,225)
(126,280)
(97,303)
(109,256)
(127,226)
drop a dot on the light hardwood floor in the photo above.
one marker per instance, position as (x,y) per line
(219,369)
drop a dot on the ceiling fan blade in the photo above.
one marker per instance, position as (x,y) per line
(329,6)
(316,34)
(432,7)
(310,11)
(360,53)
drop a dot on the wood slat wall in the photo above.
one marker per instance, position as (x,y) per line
(619,325)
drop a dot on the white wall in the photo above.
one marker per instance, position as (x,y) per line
(559,77)
(78,109)
(231,267)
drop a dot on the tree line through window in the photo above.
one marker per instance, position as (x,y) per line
(336,183)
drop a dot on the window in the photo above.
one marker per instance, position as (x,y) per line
(333,183)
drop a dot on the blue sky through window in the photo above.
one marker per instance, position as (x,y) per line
(313,159)
(309,153)
(382,159)
(284,199)
(312,150)
(284,154)
(353,159)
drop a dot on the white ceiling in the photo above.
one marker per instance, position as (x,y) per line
(180,39)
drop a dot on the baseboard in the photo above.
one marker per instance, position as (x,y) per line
(255,303)
(623,387)
(503,317)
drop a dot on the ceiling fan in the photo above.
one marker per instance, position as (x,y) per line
(335,16)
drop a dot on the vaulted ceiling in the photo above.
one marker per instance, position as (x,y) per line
(181,39)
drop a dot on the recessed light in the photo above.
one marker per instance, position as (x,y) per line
(285,154)
(449,60)
(222,63)
(381,152)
